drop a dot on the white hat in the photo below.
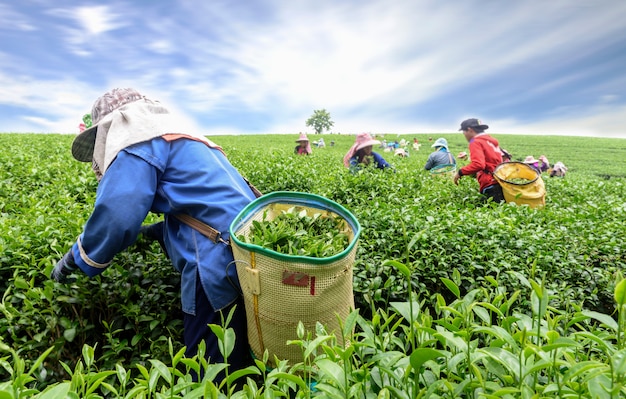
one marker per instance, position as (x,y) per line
(441,142)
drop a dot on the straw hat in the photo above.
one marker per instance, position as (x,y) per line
(560,167)
(362,140)
(530,159)
(365,140)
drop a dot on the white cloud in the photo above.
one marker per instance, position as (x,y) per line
(600,121)
(11,19)
(376,57)
(58,106)
(365,62)
(608,98)
(96,20)
(161,46)
(85,34)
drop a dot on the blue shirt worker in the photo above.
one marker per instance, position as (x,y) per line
(361,154)
(441,156)
(143,164)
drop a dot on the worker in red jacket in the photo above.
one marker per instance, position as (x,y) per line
(485,155)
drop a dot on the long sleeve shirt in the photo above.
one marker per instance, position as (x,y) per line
(485,155)
(439,158)
(378,160)
(169,177)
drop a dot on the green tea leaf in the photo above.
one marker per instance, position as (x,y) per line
(620,293)
(422,355)
(333,371)
(602,318)
(294,232)
(400,266)
(452,286)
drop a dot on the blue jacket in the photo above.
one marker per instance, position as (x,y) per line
(379,162)
(180,176)
(439,158)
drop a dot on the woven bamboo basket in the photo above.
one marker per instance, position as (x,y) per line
(531,193)
(281,290)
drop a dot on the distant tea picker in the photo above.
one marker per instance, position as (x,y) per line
(558,170)
(304,146)
(361,154)
(485,156)
(86,123)
(441,157)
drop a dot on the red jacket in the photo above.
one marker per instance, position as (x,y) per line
(485,155)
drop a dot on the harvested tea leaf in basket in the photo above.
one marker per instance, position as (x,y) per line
(519,180)
(294,232)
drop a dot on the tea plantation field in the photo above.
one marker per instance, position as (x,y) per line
(454,297)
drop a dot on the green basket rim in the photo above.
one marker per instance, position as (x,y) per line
(296,198)
(440,169)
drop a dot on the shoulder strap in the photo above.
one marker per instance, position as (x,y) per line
(206,230)
(255,190)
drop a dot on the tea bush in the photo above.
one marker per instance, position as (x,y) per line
(577,239)
(455,252)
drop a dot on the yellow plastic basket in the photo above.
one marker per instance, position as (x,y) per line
(531,192)
(281,290)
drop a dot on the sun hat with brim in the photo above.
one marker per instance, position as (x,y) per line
(365,140)
(441,142)
(362,140)
(302,137)
(530,159)
(83,144)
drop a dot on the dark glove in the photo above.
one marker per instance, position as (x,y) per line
(154,232)
(64,268)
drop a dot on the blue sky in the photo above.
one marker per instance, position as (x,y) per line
(553,67)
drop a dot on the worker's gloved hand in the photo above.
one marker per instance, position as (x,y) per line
(154,232)
(64,268)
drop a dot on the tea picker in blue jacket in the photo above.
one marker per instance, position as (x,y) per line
(144,163)
(441,156)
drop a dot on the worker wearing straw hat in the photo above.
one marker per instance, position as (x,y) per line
(361,154)
(304,146)
(558,170)
(540,165)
